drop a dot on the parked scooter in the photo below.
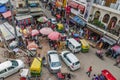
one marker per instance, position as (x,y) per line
(99,53)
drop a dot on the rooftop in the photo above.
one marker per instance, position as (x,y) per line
(107,9)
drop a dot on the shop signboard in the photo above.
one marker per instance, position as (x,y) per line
(88,9)
(74,11)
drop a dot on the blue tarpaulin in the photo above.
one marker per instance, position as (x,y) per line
(3,9)
(79,20)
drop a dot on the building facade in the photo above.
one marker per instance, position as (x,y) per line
(105,21)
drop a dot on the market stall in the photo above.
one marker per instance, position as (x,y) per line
(24,21)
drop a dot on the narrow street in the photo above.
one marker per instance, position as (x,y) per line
(86,60)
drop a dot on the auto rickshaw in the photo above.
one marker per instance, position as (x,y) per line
(24,74)
(84,45)
(36,67)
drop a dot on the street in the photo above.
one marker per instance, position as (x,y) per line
(86,60)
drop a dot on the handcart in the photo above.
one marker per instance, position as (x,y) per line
(24,74)
(62,75)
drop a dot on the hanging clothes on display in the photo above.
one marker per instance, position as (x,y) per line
(24,20)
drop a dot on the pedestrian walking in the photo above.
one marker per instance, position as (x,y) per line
(89,71)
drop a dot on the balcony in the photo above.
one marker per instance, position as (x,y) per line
(98,24)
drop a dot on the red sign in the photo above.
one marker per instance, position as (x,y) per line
(73,4)
(82,8)
(68,10)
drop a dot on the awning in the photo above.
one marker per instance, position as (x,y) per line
(23,17)
(6,14)
(79,20)
(37,14)
(8,31)
(3,9)
(109,40)
(73,4)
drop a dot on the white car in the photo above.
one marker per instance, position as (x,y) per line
(53,20)
(71,60)
(10,67)
(54,61)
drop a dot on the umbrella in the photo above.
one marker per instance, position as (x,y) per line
(54,35)
(32,46)
(46,31)
(42,19)
(3,1)
(34,32)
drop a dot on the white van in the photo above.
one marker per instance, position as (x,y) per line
(71,60)
(73,45)
(8,68)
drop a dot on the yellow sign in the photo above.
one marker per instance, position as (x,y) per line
(64,3)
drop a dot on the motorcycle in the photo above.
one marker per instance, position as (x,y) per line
(99,53)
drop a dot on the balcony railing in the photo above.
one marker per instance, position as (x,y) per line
(102,26)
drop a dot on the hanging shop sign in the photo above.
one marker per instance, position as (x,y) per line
(73,4)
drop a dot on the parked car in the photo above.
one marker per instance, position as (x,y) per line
(54,61)
(8,68)
(71,60)
(73,45)
(53,20)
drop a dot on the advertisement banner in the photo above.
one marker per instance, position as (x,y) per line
(88,9)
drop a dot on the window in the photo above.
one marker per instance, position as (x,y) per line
(55,64)
(20,5)
(106,18)
(68,60)
(14,63)
(77,63)
(3,71)
(10,68)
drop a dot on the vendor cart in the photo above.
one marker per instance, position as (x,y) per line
(108,75)
(62,75)
(24,74)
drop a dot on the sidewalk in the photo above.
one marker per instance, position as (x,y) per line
(91,43)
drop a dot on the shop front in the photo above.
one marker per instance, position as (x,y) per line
(77,8)
(23,21)
(107,41)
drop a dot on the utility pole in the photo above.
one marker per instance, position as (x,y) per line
(13,23)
